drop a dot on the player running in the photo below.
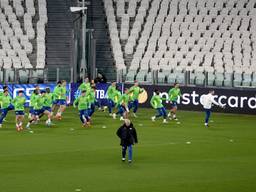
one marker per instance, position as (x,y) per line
(174,95)
(85,85)
(207,102)
(83,105)
(2,94)
(156,103)
(110,95)
(6,105)
(38,108)
(60,93)
(47,106)
(92,100)
(31,103)
(56,93)
(134,91)
(122,105)
(19,102)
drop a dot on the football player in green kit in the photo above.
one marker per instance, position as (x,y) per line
(110,95)
(6,105)
(134,91)
(5,87)
(31,103)
(122,105)
(18,103)
(38,108)
(174,95)
(61,99)
(85,85)
(83,105)
(47,106)
(156,103)
(90,93)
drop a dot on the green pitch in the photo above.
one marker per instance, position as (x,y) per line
(183,157)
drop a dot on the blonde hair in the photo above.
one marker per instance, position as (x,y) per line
(127,122)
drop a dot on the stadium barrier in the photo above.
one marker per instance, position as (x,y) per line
(236,100)
(29,88)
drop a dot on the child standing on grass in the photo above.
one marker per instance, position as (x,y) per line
(128,136)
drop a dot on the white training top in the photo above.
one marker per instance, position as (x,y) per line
(208,100)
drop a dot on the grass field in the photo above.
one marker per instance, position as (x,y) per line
(67,157)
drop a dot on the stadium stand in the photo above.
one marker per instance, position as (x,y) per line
(97,22)
(205,41)
(30,30)
(22,36)
(59,39)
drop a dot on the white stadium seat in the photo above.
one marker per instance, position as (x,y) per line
(16,37)
(202,37)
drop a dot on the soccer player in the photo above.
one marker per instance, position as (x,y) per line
(85,85)
(92,100)
(156,103)
(6,105)
(128,136)
(116,98)
(62,98)
(38,108)
(56,95)
(83,105)
(32,103)
(134,103)
(2,94)
(47,106)
(174,95)
(122,105)
(5,87)
(207,102)
(111,94)
(18,103)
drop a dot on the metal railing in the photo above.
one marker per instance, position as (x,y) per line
(23,76)
(186,78)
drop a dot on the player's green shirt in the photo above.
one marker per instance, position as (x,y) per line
(135,91)
(48,99)
(5,101)
(117,97)
(39,102)
(1,95)
(57,92)
(84,87)
(156,102)
(124,99)
(174,94)
(91,96)
(82,102)
(63,93)
(111,92)
(32,100)
(18,103)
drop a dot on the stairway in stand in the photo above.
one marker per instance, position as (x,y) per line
(104,56)
(59,38)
